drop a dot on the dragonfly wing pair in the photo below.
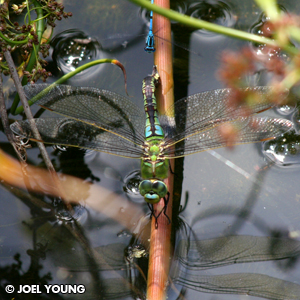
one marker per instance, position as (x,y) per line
(199,127)
(92,118)
(105,121)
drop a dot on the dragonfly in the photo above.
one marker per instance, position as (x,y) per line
(150,37)
(104,121)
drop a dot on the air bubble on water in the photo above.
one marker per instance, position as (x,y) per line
(285,110)
(132,182)
(284,151)
(73,48)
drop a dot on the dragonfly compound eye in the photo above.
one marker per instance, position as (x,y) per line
(159,188)
(153,190)
(145,187)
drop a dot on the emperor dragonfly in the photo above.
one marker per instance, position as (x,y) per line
(104,121)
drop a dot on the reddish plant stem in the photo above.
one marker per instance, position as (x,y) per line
(160,240)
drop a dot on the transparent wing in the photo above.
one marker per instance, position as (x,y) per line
(71,132)
(250,129)
(205,110)
(106,110)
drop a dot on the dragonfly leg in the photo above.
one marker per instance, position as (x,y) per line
(153,214)
(166,201)
(172,172)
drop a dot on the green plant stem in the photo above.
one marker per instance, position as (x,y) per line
(28,12)
(62,80)
(12,43)
(291,79)
(40,27)
(270,7)
(196,23)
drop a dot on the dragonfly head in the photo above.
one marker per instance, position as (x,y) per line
(153,190)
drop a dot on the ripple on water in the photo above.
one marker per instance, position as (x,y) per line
(73,48)
(216,12)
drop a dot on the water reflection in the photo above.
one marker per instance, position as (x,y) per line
(62,247)
(213,11)
(80,169)
(216,12)
(260,27)
(196,256)
(131,183)
(72,263)
(286,110)
(285,150)
(73,48)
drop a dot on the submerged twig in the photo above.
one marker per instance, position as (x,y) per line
(29,116)
(4,119)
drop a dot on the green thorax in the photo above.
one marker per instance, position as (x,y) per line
(154,163)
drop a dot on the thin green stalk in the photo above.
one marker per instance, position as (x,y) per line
(291,79)
(40,27)
(64,79)
(196,23)
(12,43)
(270,7)
(28,10)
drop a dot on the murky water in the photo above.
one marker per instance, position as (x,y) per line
(251,191)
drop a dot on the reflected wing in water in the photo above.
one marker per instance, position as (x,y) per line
(242,283)
(195,256)
(223,251)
